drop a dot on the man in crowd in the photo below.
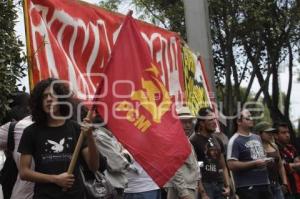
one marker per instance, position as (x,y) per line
(290,159)
(187,120)
(210,151)
(51,141)
(186,182)
(119,161)
(246,159)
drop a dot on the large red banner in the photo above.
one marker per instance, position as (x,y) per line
(72,40)
(142,116)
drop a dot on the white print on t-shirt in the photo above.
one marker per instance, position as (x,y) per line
(211,167)
(57,147)
(256,149)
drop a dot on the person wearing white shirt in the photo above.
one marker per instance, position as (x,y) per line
(22,189)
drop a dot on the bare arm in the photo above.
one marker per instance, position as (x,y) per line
(201,190)
(90,153)
(295,164)
(26,173)
(225,175)
(282,171)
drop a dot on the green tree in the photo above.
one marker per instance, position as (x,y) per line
(110,5)
(167,14)
(270,38)
(251,40)
(11,58)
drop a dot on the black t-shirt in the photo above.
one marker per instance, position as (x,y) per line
(51,149)
(209,150)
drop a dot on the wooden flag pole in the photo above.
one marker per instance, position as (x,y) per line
(28,44)
(78,145)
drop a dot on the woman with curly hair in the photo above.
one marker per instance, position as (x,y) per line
(50,141)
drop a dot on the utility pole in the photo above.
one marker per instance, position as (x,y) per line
(198,35)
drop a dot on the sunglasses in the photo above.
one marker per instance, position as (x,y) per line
(210,142)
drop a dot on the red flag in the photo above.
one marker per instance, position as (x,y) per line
(138,107)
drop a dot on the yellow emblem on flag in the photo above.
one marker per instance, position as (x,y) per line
(153,97)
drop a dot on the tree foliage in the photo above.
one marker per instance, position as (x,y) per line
(251,41)
(11,58)
(166,13)
(110,5)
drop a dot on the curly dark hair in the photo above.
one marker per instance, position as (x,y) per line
(36,100)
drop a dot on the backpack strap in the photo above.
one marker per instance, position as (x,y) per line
(11,137)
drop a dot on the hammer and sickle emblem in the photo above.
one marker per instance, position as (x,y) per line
(147,95)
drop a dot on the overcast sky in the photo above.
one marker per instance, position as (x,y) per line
(295,101)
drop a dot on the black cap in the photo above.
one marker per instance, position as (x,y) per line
(203,112)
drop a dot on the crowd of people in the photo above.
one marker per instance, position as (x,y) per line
(257,162)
